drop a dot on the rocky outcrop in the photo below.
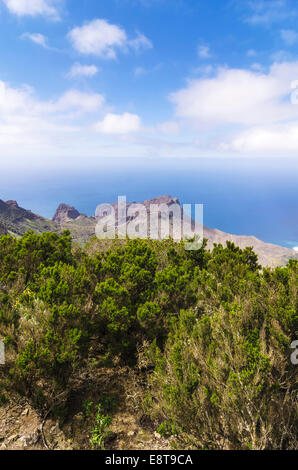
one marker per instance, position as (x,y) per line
(12,203)
(167,200)
(65,213)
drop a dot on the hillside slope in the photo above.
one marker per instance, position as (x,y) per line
(17,221)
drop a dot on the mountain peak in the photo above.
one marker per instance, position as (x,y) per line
(12,203)
(64,212)
(169,200)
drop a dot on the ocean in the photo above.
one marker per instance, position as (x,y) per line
(241,196)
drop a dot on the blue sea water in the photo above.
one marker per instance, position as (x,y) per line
(247,196)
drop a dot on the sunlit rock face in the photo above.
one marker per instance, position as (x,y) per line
(65,212)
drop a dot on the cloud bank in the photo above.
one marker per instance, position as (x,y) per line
(253,109)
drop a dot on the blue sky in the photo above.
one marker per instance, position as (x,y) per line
(82,81)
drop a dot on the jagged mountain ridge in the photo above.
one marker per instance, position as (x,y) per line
(16,221)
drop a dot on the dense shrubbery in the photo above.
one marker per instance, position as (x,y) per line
(219,330)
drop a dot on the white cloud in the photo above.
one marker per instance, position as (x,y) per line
(98,37)
(30,125)
(266,12)
(25,125)
(119,124)
(77,100)
(140,42)
(276,139)
(61,132)
(204,70)
(244,111)
(14,100)
(33,8)
(103,39)
(79,70)
(204,52)
(258,67)
(239,97)
(289,36)
(168,127)
(22,101)
(37,38)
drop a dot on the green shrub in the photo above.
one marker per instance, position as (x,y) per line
(100,430)
(224,379)
(219,330)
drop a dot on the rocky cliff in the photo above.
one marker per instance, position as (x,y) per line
(64,213)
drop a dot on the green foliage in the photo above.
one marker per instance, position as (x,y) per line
(23,258)
(87,406)
(166,430)
(224,379)
(219,330)
(100,430)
